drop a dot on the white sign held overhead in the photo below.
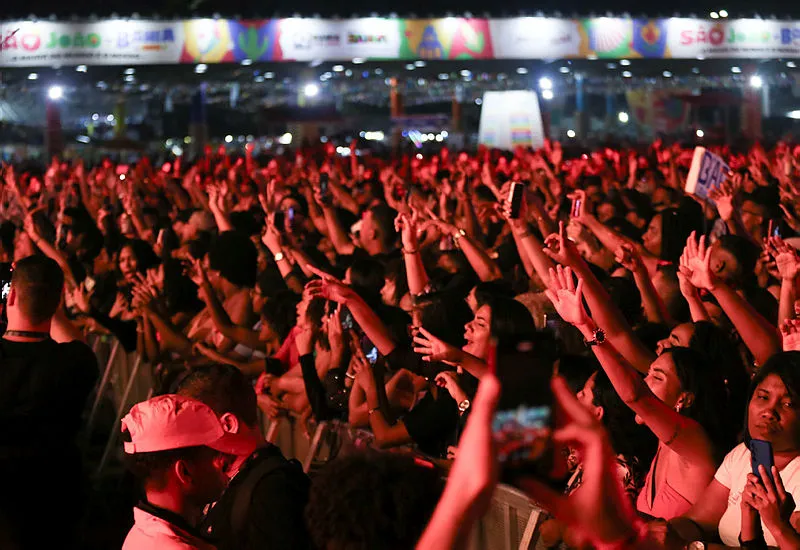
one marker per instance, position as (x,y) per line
(511,119)
(707,171)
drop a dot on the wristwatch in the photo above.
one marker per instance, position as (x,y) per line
(598,338)
(463,406)
(280,256)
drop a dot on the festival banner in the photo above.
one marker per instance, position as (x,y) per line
(321,39)
(535,38)
(449,38)
(120,42)
(734,38)
(141,42)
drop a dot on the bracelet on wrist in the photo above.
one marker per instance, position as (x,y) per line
(410,251)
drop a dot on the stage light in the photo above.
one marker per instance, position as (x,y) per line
(736,70)
(723,13)
(700,133)
(247,62)
(81,68)
(624,62)
(200,68)
(714,15)
(545,83)
(623,117)
(756,81)
(33,76)
(311,90)
(55,93)
(228,138)
(547,94)
(571,134)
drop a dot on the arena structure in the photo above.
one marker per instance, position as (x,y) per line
(162,83)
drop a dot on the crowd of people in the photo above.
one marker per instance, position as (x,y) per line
(648,339)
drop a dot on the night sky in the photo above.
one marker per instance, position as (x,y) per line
(422,8)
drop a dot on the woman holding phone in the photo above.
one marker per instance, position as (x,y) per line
(743,506)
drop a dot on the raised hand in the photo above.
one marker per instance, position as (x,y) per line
(695,263)
(628,257)
(271,237)
(790,331)
(406,225)
(560,249)
(330,289)
(566,296)
(433,349)
(725,197)
(786,258)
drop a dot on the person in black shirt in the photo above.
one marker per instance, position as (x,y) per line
(43,389)
(262,508)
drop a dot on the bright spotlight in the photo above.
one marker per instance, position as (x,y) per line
(723,13)
(571,134)
(714,15)
(756,81)
(33,76)
(624,62)
(311,90)
(700,133)
(545,83)
(795,115)
(623,117)
(228,138)
(200,68)
(55,93)
(547,94)
(81,68)
(736,70)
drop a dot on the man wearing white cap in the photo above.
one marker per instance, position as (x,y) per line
(179,449)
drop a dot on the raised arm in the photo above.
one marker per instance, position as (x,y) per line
(485,267)
(415,270)
(604,312)
(681,434)
(331,289)
(761,338)
(788,265)
(341,242)
(654,308)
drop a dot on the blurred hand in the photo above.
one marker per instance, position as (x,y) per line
(725,197)
(786,258)
(790,331)
(600,512)
(449,381)
(628,257)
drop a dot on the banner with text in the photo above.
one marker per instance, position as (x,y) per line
(132,42)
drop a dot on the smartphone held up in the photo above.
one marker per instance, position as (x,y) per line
(515,196)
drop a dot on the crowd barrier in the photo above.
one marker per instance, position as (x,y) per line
(511,522)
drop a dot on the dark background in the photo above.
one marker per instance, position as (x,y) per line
(422,8)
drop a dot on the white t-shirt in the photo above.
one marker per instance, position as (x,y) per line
(733,475)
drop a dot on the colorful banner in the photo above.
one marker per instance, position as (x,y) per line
(129,42)
(27,44)
(751,38)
